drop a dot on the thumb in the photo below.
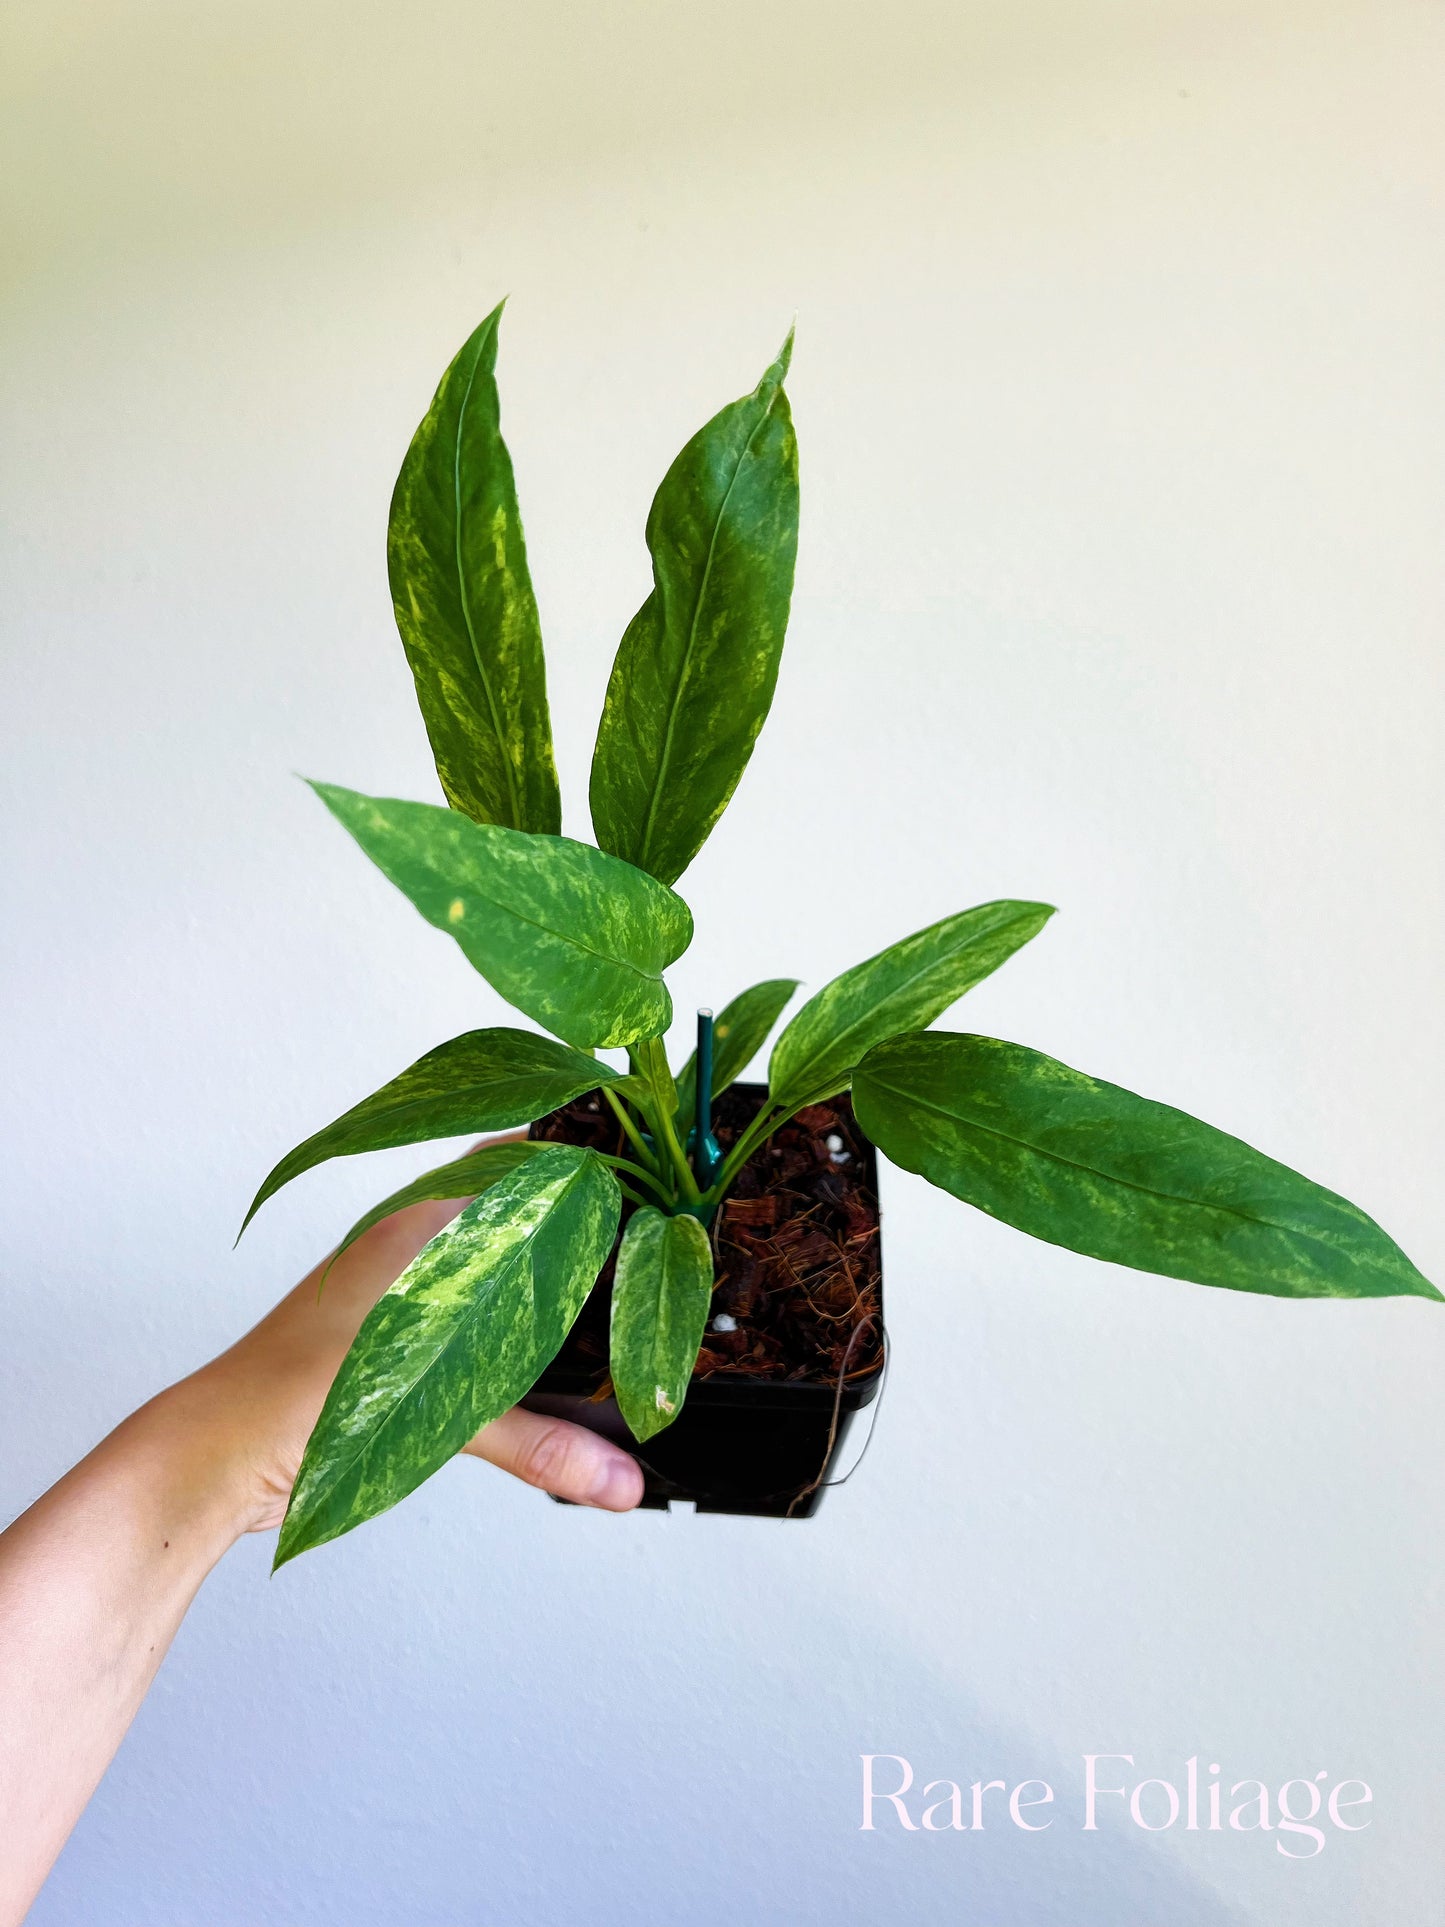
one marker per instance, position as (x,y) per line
(561,1458)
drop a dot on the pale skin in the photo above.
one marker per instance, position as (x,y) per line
(96,1577)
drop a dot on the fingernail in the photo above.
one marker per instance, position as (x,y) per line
(618,1484)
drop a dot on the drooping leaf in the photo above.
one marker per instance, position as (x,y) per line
(695,671)
(455,1342)
(464,1177)
(739,1033)
(904,987)
(576,939)
(1077,1162)
(485,1080)
(660,1299)
(464,604)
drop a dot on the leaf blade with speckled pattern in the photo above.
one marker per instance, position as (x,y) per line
(1087,1165)
(661,1293)
(463,601)
(694,675)
(455,1342)
(904,987)
(484,1080)
(576,939)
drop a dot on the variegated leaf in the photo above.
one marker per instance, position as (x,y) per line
(660,1298)
(464,604)
(904,987)
(694,675)
(455,1342)
(576,939)
(485,1080)
(1082,1163)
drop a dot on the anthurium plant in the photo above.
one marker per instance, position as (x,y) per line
(578,939)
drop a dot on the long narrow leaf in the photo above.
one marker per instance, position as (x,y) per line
(694,675)
(455,1342)
(576,939)
(485,1080)
(903,988)
(464,604)
(1081,1163)
(660,1298)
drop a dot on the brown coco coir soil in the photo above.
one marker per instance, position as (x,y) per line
(795,1246)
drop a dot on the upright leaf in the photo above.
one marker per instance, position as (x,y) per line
(485,1080)
(903,988)
(464,603)
(455,1342)
(739,1034)
(1081,1163)
(576,939)
(660,1299)
(464,1177)
(694,675)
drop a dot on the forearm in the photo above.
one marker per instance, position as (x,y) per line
(97,1575)
(94,1580)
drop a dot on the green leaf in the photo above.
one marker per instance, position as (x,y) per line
(464,603)
(576,939)
(660,1299)
(1084,1164)
(485,1080)
(738,1034)
(464,1177)
(903,988)
(695,671)
(455,1342)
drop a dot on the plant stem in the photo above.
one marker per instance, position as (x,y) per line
(679,1159)
(768,1120)
(649,1178)
(632,1131)
(645,1055)
(761,1128)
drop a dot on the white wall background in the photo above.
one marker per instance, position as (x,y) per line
(1119,393)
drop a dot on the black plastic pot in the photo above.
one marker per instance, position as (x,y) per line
(762,1447)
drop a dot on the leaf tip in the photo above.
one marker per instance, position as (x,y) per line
(256,1203)
(778,370)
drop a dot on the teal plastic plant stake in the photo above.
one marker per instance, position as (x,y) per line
(706,1151)
(578,938)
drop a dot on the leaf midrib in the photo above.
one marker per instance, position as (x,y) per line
(507,770)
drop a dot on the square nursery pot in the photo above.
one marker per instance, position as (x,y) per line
(764,1423)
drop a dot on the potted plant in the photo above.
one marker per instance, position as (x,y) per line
(701,1223)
